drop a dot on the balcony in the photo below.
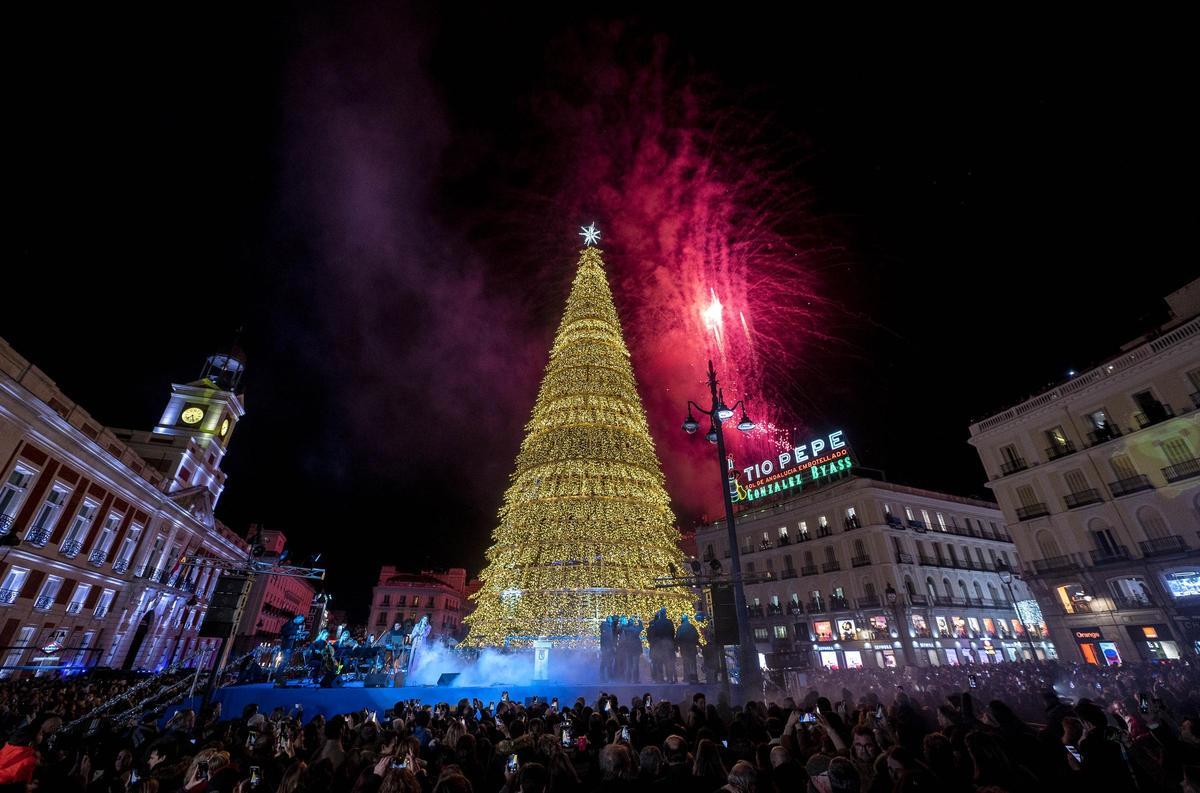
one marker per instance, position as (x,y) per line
(99,612)
(816,607)
(140,570)
(6,524)
(75,607)
(1082,498)
(928,561)
(1163,546)
(788,572)
(1012,466)
(1104,434)
(1116,555)
(852,522)
(784,540)
(1154,413)
(8,597)
(839,604)
(97,558)
(754,611)
(860,561)
(71,548)
(38,537)
(120,566)
(808,569)
(918,600)
(1126,603)
(43,603)
(1031,511)
(869,602)
(824,531)
(1184,470)
(1130,484)
(1054,564)
(919,525)
(903,558)
(1060,450)
(774,609)
(830,567)
(156,574)
(894,522)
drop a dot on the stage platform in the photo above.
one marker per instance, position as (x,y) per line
(353,696)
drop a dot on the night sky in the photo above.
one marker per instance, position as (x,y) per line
(388,201)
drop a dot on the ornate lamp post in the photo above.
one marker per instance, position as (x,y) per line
(902,628)
(749,674)
(1006,577)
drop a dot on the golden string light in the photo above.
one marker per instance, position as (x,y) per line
(586,527)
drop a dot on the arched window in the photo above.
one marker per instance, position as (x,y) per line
(869,590)
(992,592)
(1048,545)
(962,588)
(931,587)
(978,590)
(946,587)
(1152,523)
(908,586)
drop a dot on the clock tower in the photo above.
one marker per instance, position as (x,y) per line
(191,437)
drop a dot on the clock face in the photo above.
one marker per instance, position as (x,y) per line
(192,416)
(224,427)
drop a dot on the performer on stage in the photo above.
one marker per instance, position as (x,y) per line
(393,641)
(419,632)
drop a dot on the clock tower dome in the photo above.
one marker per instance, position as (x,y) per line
(191,437)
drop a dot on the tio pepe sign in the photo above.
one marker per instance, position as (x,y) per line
(789,470)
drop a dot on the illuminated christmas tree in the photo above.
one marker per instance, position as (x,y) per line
(586,527)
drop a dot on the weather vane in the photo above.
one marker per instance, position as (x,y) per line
(590,234)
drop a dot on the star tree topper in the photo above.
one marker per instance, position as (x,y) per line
(590,234)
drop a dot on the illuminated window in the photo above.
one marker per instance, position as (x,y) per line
(11,496)
(761,634)
(1150,632)
(941,519)
(781,632)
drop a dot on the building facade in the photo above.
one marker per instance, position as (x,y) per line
(861,573)
(1100,482)
(273,600)
(403,597)
(96,575)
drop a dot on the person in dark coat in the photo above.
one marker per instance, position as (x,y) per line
(687,639)
(631,640)
(606,649)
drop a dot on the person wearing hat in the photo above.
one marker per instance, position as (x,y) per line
(817,769)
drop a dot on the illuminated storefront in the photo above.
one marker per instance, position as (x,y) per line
(1154,642)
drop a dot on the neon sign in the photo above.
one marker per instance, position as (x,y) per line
(789,470)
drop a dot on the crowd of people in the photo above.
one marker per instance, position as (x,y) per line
(1010,727)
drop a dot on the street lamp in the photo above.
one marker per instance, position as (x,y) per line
(749,673)
(1006,577)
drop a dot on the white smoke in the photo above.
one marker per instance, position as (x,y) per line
(496,667)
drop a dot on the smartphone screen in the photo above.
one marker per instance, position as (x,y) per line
(255,777)
(972,681)
(808,717)
(647,700)
(625,733)
(879,713)
(1074,753)
(504,696)
(512,764)
(202,770)
(566,736)
(725,743)
(133,776)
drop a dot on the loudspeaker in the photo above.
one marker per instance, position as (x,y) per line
(447,678)
(723,614)
(377,680)
(228,598)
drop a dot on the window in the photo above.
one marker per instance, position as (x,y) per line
(1026,496)
(803,530)
(79,528)
(1076,481)
(1058,439)
(104,603)
(49,591)
(108,533)
(941,519)
(1152,523)
(24,640)
(1122,466)
(10,587)
(75,604)
(887,509)
(925,518)
(760,634)
(1098,419)
(908,513)
(128,546)
(781,632)
(39,530)
(851,515)
(381,619)
(11,496)
(1176,451)
(823,522)
(400,601)
(1010,456)
(783,533)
